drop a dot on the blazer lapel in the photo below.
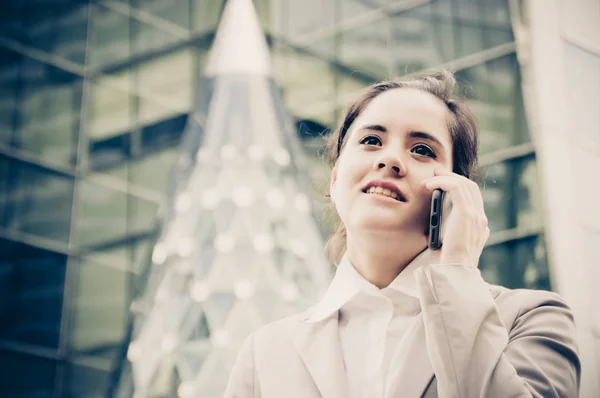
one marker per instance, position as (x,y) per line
(318,344)
(414,373)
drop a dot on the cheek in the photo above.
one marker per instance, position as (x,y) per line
(348,173)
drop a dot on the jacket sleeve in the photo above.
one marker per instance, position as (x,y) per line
(241,382)
(472,352)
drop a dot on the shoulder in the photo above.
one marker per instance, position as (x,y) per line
(517,306)
(525,298)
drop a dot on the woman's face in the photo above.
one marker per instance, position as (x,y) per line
(396,142)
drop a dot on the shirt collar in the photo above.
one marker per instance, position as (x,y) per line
(347,283)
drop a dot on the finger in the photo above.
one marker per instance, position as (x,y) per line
(469,185)
(475,191)
(459,194)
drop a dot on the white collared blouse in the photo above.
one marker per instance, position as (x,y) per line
(372,324)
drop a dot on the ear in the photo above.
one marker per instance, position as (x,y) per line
(332,184)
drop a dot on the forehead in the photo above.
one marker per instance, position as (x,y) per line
(408,109)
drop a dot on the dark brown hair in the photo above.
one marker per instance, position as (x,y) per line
(461,124)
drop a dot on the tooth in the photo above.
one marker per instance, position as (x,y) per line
(379,190)
(394,195)
(387,192)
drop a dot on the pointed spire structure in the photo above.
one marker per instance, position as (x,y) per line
(239,245)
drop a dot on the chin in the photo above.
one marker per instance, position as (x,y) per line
(381,226)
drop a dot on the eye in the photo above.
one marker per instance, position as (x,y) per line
(371,140)
(424,150)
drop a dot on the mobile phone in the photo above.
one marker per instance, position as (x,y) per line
(435,219)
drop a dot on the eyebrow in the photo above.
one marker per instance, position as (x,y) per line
(412,134)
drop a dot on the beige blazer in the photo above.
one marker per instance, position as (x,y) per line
(470,340)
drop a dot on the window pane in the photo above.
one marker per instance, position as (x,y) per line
(100,310)
(90,379)
(493,92)
(422,39)
(496,196)
(11,19)
(300,18)
(111,152)
(350,9)
(206,14)
(531,265)
(494,263)
(308,82)
(109,37)
(517,264)
(59,28)
(26,376)
(495,12)
(529,214)
(9,80)
(110,109)
(264,14)
(37,201)
(153,171)
(511,195)
(142,215)
(102,214)
(167,85)
(31,294)
(366,49)
(49,111)
(470,38)
(174,11)
(149,38)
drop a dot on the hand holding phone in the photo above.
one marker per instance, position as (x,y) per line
(435,219)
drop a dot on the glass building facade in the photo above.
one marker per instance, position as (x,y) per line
(95,95)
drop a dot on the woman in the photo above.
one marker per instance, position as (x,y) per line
(400,320)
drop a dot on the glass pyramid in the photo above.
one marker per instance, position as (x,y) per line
(239,245)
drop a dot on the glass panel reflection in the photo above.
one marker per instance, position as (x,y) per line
(166,85)
(100,310)
(531,265)
(173,11)
(494,264)
(89,380)
(58,28)
(529,214)
(9,74)
(141,214)
(517,264)
(511,195)
(102,214)
(496,196)
(31,294)
(109,37)
(422,39)
(308,81)
(205,14)
(27,376)
(37,201)
(110,108)
(150,38)
(49,111)
(493,91)
(366,49)
(153,171)
(300,18)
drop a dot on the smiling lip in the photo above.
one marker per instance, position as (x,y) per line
(386,185)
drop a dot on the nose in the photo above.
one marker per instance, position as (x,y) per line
(392,165)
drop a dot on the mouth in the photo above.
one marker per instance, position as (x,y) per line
(384,189)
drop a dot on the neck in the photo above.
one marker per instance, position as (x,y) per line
(383,261)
